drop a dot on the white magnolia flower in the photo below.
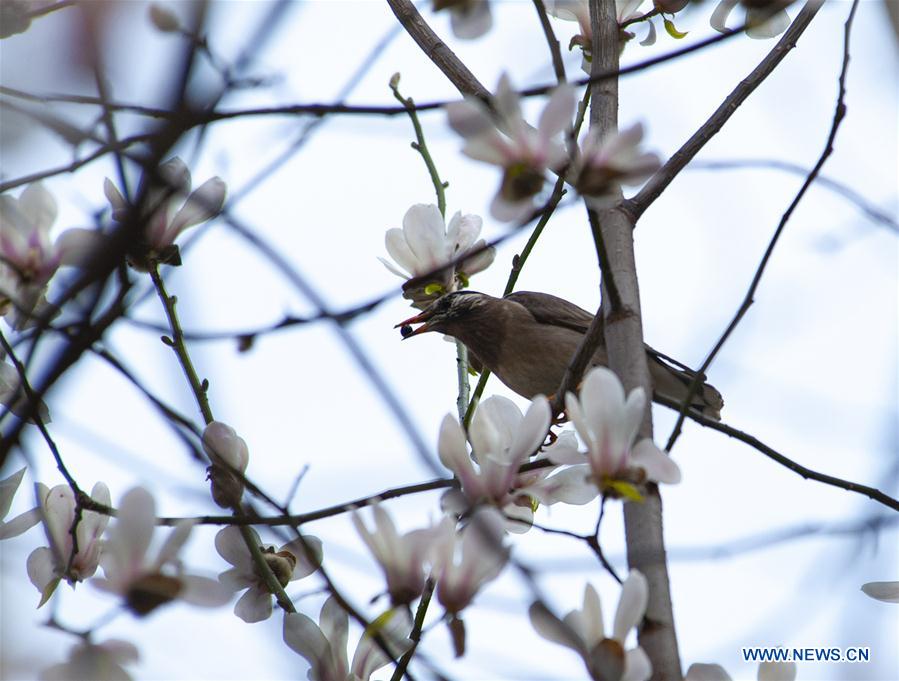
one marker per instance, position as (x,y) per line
(146,583)
(764,18)
(29,257)
(767,671)
(523,152)
(289,563)
(324,645)
(48,565)
(22,522)
(94,662)
(502,440)
(608,424)
(469,19)
(605,163)
(888,592)
(12,397)
(169,208)
(584,632)
(226,450)
(426,243)
(466,560)
(400,556)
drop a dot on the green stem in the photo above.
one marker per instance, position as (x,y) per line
(415,634)
(421,147)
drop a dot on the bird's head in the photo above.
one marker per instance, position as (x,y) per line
(446,314)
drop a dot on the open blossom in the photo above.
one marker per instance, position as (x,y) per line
(289,563)
(226,450)
(469,19)
(465,560)
(29,257)
(608,424)
(146,583)
(583,631)
(48,565)
(604,163)
(502,440)
(94,662)
(764,18)
(324,645)
(425,243)
(169,208)
(888,592)
(523,152)
(22,522)
(400,556)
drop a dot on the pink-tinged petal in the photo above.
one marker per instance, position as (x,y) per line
(469,21)
(556,117)
(637,666)
(202,205)
(203,592)
(700,671)
(176,175)
(762,24)
(469,118)
(532,430)
(722,10)
(116,200)
(659,466)
(454,454)
(304,637)
(508,108)
(888,592)
(632,418)
(491,147)
(493,429)
(602,400)
(41,567)
(59,514)
(230,545)
(254,606)
(566,10)
(593,628)
(20,524)
(777,671)
(134,530)
(625,9)
(334,625)
(631,605)
(553,629)
(39,208)
(222,441)
(369,657)
(425,233)
(173,543)
(305,567)
(507,211)
(77,247)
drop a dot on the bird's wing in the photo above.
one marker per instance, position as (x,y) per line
(548,309)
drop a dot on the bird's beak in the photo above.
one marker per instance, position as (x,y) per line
(405,326)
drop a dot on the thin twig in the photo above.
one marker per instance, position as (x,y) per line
(551,41)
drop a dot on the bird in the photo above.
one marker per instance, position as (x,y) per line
(528,338)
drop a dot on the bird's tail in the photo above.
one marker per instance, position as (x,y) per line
(672,380)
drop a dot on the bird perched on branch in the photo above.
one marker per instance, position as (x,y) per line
(527,339)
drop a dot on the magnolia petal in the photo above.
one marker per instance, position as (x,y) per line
(334,625)
(254,606)
(659,466)
(631,605)
(592,627)
(888,592)
(398,249)
(462,231)
(761,24)
(237,579)
(78,246)
(470,20)
(425,233)
(304,637)
(481,261)
(469,118)
(134,529)
(519,519)
(230,545)
(453,453)
(116,200)
(509,211)
(41,568)
(552,628)
(173,543)
(302,549)
(650,38)
(507,102)
(722,10)
(701,671)
(39,207)
(637,666)
(490,147)
(494,427)
(532,431)
(777,671)
(202,205)
(20,524)
(203,592)
(573,485)
(393,268)
(556,116)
